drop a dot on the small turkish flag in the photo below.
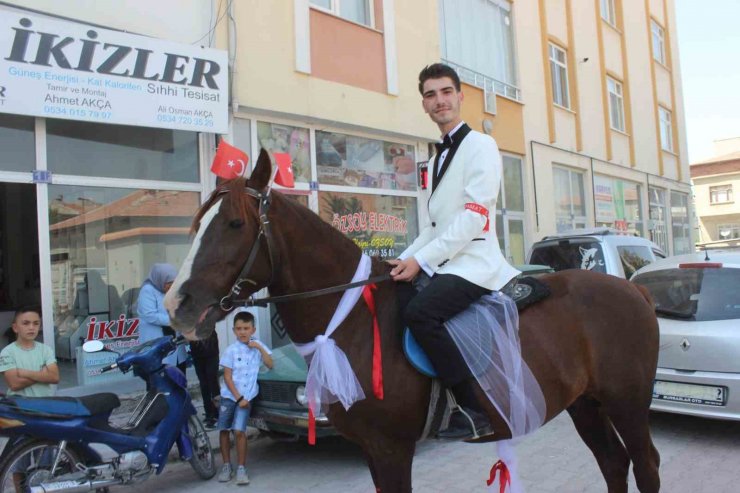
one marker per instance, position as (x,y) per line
(229,161)
(285,170)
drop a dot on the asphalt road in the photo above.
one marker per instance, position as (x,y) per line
(698,456)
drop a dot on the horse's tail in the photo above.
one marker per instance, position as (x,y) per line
(645,294)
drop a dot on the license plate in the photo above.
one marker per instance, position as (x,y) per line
(258,423)
(690,393)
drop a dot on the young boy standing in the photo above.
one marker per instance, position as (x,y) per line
(241,362)
(29,367)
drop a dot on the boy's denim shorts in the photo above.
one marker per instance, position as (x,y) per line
(231,416)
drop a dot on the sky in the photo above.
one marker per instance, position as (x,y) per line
(709,51)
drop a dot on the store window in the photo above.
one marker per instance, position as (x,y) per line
(570,200)
(510,210)
(559,76)
(479,36)
(658,214)
(103,243)
(618,204)
(295,141)
(361,162)
(382,225)
(17,143)
(680,223)
(121,151)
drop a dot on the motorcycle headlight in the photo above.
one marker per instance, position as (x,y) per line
(300,395)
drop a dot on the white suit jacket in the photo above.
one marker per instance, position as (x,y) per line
(453,240)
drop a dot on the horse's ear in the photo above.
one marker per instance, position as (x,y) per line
(260,177)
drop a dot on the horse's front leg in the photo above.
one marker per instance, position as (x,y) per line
(390,462)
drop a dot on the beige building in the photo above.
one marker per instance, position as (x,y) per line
(716,182)
(583,98)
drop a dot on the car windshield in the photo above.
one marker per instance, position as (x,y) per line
(570,254)
(694,294)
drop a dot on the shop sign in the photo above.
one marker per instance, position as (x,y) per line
(118,336)
(57,69)
(604,199)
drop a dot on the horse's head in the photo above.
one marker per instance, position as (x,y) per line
(227,231)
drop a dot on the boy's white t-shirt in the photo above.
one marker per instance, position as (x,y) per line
(245,365)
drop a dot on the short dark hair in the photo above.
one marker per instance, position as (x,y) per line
(437,71)
(25,309)
(244,317)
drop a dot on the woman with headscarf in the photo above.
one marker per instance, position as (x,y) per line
(153,316)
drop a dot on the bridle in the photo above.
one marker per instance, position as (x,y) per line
(232,300)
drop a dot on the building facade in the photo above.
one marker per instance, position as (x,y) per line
(583,99)
(716,182)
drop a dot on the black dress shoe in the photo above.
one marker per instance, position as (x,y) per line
(460,427)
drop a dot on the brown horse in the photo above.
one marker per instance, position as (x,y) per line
(592,345)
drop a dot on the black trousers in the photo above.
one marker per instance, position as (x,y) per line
(207,371)
(425,313)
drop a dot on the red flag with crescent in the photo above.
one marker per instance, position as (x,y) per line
(229,161)
(284,175)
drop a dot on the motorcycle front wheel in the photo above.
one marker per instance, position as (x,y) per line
(202,461)
(30,463)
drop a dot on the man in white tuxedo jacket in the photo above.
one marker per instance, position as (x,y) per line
(457,247)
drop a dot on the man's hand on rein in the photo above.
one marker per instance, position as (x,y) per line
(404,270)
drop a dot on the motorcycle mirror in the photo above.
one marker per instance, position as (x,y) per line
(93,346)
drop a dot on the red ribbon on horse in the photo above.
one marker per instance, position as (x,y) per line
(504,478)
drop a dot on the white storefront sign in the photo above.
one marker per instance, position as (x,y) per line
(56,69)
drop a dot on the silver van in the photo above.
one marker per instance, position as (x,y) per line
(603,250)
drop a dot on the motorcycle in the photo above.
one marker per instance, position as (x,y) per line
(67,445)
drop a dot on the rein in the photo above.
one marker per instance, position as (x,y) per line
(231,300)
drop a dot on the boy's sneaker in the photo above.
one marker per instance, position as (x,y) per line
(225,475)
(210,424)
(241,475)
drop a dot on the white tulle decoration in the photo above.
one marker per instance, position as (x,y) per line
(330,376)
(487,335)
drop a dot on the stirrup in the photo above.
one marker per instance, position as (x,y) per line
(458,408)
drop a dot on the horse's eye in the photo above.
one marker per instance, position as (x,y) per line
(236,223)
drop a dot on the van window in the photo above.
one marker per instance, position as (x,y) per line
(570,254)
(634,258)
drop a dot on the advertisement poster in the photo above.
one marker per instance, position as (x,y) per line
(380,225)
(118,336)
(57,69)
(360,162)
(604,199)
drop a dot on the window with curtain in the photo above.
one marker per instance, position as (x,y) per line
(559,76)
(479,35)
(666,129)
(720,194)
(358,11)
(616,104)
(658,36)
(608,13)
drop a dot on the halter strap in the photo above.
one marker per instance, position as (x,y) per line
(231,300)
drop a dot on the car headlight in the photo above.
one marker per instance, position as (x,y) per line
(300,395)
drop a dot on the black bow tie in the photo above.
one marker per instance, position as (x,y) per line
(445,144)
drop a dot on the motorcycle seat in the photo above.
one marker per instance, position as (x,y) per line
(89,405)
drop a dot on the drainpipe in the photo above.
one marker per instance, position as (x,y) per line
(231,32)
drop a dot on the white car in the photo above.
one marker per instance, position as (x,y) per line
(697,300)
(602,250)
